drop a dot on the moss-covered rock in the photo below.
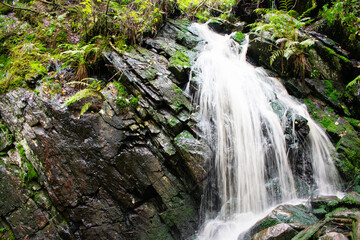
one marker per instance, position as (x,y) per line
(289,214)
(342,134)
(179,65)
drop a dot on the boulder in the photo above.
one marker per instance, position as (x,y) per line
(280,231)
(296,216)
(333,236)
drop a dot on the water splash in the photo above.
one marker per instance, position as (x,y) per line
(237,103)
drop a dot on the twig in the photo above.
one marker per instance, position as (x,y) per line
(20,8)
(55,4)
(118,50)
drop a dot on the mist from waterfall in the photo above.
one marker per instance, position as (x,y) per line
(251,167)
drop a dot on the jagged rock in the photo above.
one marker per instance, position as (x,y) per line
(193,152)
(321,205)
(113,174)
(280,231)
(297,216)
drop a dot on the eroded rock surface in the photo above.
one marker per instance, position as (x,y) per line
(115,174)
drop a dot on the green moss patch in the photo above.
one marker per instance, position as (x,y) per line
(238,37)
(342,134)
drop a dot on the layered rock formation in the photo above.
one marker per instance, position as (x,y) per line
(119,173)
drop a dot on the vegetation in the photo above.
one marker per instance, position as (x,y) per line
(90,91)
(346,13)
(123,99)
(284,26)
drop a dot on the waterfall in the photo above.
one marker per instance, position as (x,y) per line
(244,116)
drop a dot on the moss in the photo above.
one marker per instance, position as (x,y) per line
(238,37)
(332,52)
(133,103)
(344,137)
(61,36)
(354,122)
(31,174)
(21,150)
(182,212)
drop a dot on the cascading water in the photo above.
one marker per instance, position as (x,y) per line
(244,116)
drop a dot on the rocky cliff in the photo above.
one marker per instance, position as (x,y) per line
(119,173)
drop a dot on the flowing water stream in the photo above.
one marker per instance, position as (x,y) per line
(247,118)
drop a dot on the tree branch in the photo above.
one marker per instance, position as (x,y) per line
(20,8)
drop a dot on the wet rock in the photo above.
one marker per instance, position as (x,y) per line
(341,133)
(297,216)
(193,153)
(341,221)
(27,220)
(322,205)
(333,236)
(179,65)
(223,26)
(280,231)
(115,174)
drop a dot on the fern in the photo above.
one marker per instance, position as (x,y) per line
(82,94)
(86,107)
(307,12)
(85,84)
(353,82)
(286,5)
(275,55)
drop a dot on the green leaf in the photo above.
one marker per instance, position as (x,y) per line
(82,94)
(85,107)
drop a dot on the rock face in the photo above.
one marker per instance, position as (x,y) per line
(339,219)
(115,174)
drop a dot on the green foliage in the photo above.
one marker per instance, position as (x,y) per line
(238,37)
(205,9)
(286,5)
(139,18)
(284,35)
(345,12)
(91,91)
(123,100)
(354,82)
(80,57)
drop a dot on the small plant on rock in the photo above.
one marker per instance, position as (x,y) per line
(286,37)
(91,91)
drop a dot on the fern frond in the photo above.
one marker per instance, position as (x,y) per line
(262,10)
(82,94)
(280,40)
(289,52)
(286,5)
(276,54)
(353,82)
(307,43)
(307,12)
(85,107)
(81,83)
